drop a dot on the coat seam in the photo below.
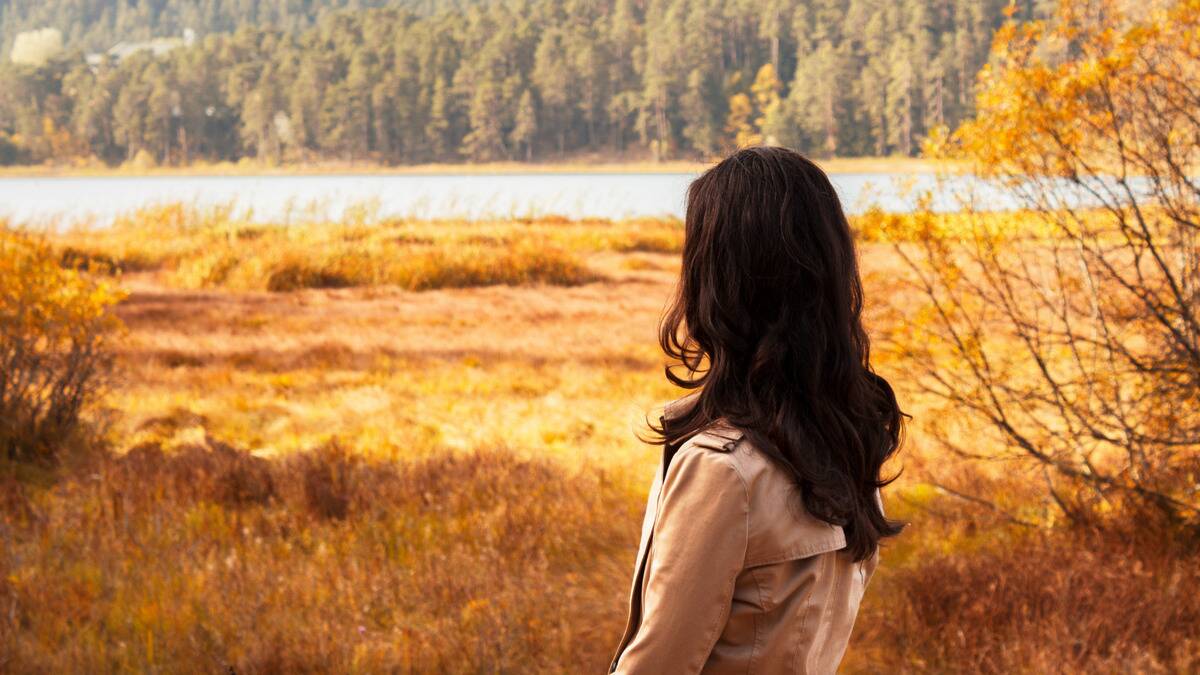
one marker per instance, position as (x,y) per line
(799,637)
(833,593)
(757,618)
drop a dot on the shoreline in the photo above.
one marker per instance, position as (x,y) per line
(846,165)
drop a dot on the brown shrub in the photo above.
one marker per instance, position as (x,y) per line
(327,481)
(213,471)
(549,219)
(1061,601)
(528,263)
(295,275)
(88,261)
(14,499)
(653,241)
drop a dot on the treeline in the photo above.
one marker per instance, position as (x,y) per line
(522,79)
(96,25)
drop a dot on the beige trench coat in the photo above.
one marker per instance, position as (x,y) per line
(732,575)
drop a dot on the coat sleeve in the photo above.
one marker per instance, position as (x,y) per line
(698,547)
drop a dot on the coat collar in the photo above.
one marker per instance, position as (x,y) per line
(680,405)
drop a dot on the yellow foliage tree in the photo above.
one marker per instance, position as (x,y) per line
(62,143)
(766,90)
(749,117)
(740,122)
(1080,347)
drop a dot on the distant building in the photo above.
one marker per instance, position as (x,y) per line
(158,46)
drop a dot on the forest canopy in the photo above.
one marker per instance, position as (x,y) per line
(419,81)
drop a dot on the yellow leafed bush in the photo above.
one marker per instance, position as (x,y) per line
(877,225)
(55,327)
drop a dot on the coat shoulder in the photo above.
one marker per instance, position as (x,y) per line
(714,446)
(780,527)
(731,444)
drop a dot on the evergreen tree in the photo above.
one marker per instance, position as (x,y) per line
(702,127)
(485,142)
(525,130)
(438,124)
(553,78)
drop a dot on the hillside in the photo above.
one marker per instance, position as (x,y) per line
(520,80)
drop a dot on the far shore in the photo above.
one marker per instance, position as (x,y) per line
(839,165)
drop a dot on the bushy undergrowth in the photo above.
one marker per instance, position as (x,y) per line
(876,225)
(209,559)
(206,557)
(197,248)
(1058,601)
(56,326)
(424,269)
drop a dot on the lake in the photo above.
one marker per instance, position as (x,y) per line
(286,198)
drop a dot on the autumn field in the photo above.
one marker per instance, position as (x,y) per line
(392,445)
(411,446)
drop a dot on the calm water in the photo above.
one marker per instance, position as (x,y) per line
(38,200)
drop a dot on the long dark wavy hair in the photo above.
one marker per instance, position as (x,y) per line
(767,324)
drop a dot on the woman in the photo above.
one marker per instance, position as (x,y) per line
(764,521)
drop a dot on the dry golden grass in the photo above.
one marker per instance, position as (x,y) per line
(490,470)
(194,248)
(209,559)
(549,371)
(374,478)
(205,248)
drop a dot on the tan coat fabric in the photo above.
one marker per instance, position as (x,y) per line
(732,575)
